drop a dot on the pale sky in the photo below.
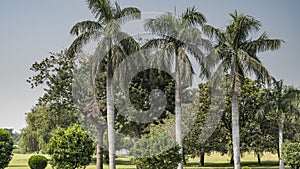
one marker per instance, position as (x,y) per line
(30,29)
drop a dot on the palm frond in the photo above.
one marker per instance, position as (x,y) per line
(262,44)
(193,17)
(155,43)
(163,25)
(241,26)
(85,26)
(213,33)
(83,39)
(102,9)
(186,67)
(128,14)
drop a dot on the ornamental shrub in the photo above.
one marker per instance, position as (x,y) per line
(291,154)
(37,162)
(156,153)
(6,148)
(71,148)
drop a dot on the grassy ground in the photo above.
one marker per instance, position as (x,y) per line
(214,161)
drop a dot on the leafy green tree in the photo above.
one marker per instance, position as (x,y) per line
(178,36)
(256,127)
(107,28)
(139,91)
(37,133)
(71,148)
(55,72)
(238,56)
(6,147)
(55,108)
(193,144)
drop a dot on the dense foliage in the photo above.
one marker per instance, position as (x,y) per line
(37,162)
(6,148)
(156,153)
(291,154)
(71,148)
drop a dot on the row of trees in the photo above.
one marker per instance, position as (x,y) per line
(178,39)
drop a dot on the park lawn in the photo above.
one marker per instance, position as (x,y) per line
(214,161)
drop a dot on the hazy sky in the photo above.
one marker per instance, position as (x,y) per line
(30,29)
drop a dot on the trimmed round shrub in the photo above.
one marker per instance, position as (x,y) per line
(37,162)
(70,148)
(6,148)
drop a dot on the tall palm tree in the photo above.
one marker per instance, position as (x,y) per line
(281,101)
(237,53)
(178,38)
(109,18)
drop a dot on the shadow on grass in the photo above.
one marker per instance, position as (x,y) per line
(17,166)
(216,165)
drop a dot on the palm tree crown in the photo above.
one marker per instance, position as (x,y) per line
(237,52)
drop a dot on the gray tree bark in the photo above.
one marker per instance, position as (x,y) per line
(235,131)
(110,117)
(280,130)
(178,110)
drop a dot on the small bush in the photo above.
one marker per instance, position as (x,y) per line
(6,148)
(161,153)
(37,162)
(291,154)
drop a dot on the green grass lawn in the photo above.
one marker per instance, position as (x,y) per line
(214,161)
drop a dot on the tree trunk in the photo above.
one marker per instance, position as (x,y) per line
(183,157)
(281,126)
(258,159)
(202,155)
(178,109)
(231,160)
(110,116)
(99,160)
(235,131)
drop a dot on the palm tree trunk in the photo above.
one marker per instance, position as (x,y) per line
(235,131)
(178,109)
(110,116)
(281,126)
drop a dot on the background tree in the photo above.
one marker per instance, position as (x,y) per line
(107,28)
(6,147)
(55,108)
(71,148)
(15,135)
(238,56)
(282,101)
(196,146)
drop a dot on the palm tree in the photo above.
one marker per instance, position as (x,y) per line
(281,99)
(179,37)
(109,18)
(237,54)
